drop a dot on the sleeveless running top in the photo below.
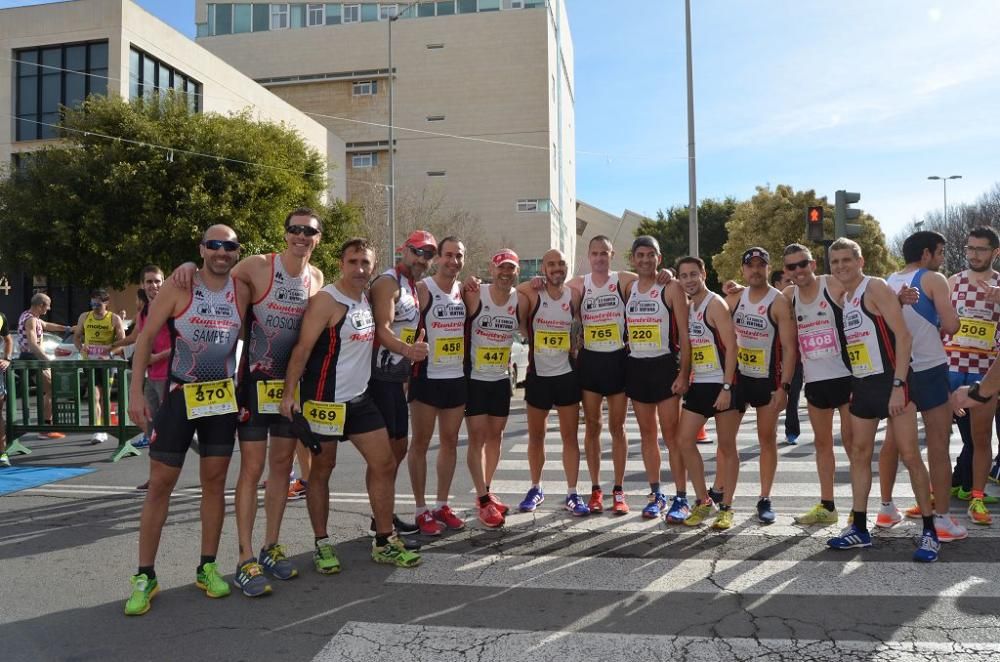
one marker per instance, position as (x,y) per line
(652,329)
(389,366)
(98,334)
(549,327)
(491,334)
(204,335)
(275,320)
(603,313)
(822,348)
(339,366)
(974,347)
(871,345)
(708,354)
(22,332)
(923,322)
(162,342)
(444,322)
(758,349)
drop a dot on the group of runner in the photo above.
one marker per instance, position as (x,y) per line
(359,358)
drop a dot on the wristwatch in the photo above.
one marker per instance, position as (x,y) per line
(974,393)
(727,387)
(897,382)
(786,387)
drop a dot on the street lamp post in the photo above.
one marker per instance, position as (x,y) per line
(391,189)
(692,188)
(944,182)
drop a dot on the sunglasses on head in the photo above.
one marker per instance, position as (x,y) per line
(792,266)
(427,253)
(216,244)
(307,230)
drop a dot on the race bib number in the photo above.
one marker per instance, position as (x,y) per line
(492,358)
(98,351)
(751,362)
(976,333)
(326,418)
(203,399)
(861,361)
(551,341)
(820,345)
(704,358)
(449,350)
(645,336)
(602,336)
(408,335)
(269,394)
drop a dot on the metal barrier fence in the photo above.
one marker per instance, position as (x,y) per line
(67,407)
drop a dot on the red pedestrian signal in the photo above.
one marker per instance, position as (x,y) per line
(814,224)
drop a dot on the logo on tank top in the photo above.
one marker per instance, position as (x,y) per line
(822,304)
(497,323)
(207,310)
(697,328)
(761,310)
(279,277)
(644,307)
(230,296)
(362,319)
(749,321)
(852,319)
(603,302)
(449,311)
(290,295)
(612,287)
(565,306)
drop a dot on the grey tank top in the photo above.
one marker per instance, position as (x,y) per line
(203,337)
(275,320)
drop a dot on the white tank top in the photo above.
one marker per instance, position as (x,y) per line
(821,343)
(869,342)
(603,315)
(340,364)
(923,322)
(204,335)
(652,330)
(389,366)
(759,352)
(275,320)
(549,328)
(708,355)
(444,321)
(491,334)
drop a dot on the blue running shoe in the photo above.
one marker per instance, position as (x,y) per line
(532,500)
(792,439)
(928,550)
(575,505)
(679,510)
(657,504)
(765,512)
(250,579)
(850,538)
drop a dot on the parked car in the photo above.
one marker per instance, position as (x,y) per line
(518,360)
(56,347)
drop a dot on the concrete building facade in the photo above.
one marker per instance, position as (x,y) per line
(483,100)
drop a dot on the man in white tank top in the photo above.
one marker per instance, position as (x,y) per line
(547,316)
(438,386)
(765,337)
(879,347)
(493,322)
(332,358)
(932,315)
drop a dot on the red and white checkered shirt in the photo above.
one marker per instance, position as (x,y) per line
(974,347)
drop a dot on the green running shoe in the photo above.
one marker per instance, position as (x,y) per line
(395,553)
(210,580)
(325,558)
(963,495)
(143,590)
(699,514)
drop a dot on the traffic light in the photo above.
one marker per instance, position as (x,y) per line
(814,224)
(842,213)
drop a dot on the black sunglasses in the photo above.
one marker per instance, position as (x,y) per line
(216,244)
(307,230)
(797,265)
(426,253)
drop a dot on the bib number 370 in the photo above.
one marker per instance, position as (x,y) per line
(203,399)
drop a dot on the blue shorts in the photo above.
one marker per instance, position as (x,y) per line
(930,388)
(957,380)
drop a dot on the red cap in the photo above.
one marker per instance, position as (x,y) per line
(505,255)
(421,239)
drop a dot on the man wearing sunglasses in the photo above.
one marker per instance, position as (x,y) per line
(205,321)
(972,350)
(393,296)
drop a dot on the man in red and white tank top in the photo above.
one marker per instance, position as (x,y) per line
(878,348)
(972,351)
(438,386)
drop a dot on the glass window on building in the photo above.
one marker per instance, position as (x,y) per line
(242,18)
(298,16)
(332,14)
(261,17)
(489,5)
(352,13)
(513,4)
(364,160)
(224,18)
(425,9)
(364,88)
(279,16)
(466,6)
(369,12)
(315,14)
(202,30)
(67,75)
(149,77)
(446,7)
(387,11)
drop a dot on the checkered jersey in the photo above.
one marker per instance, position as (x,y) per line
(974,348)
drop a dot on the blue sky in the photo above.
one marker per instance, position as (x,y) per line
(870,96)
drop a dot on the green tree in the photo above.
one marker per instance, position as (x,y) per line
(774,219)
(671,230)
(93,209)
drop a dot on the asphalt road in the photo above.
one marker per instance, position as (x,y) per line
(545,587)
